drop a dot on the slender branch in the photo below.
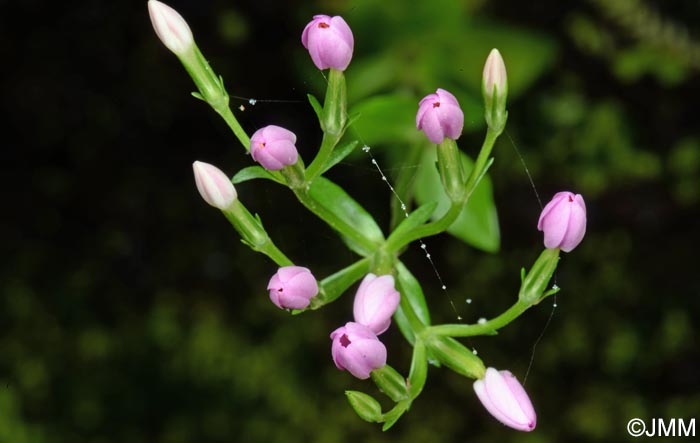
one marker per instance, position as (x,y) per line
(232,122)
(488,328)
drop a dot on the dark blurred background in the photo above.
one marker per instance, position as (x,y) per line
(130,311)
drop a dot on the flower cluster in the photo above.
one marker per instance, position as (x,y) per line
(356,346)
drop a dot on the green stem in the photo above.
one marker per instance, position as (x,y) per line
(487,328)
(333,121)
(327,144)
(253,234)
(232,122)
(481,160)
(394,244)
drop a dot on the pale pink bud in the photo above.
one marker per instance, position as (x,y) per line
(563,221)
(375,302)
(504,397)
(357,350)
(171,28)
(440,116)
(494,85)
(273,147)
(495,74)
(213,185)
(292,287)
(329,41)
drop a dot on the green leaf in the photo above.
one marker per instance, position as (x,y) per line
(415,219)
(365,405)
(411,289)
(339,154)
(318,109)
(386,119)
(390,382)
(334,285)
(477,225)
(404,325)
(353,216)
(371,74)
(419,369)
(253,172)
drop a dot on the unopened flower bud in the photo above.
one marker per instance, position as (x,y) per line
(176,35)
(171,28)
(504,397)
(495,90)
(365,405)
(213,185)
(533,288)
(273,147)
(376,301)
(440,116)
(357,350)
(456,356)
(563,221)
(292,287)
(329,41)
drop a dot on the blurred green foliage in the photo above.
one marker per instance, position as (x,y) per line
(130,312)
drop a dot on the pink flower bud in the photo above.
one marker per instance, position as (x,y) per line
(273,147)
(375,302)
(213,185)
(504,397)
(495,75)
(494,85)
(171,28)
(357,349)
(292,287)
(329,41)
(440,116)
(563,221)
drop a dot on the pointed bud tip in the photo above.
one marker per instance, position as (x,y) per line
(506,400)
(495,73)
(213,185)
(170,27)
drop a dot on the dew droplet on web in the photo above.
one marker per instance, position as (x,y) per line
(252,102)
(481,321)
(554,305)
(404,207)
(241,108)
(474,351)
(469,301)
(555,287)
